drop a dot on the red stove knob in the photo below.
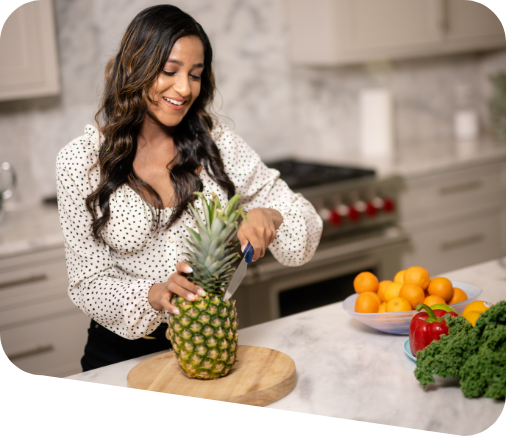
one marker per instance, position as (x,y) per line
(371,210)
(325,214)
(353,213)
(388,204)
(377,203)
(360,206)
(343,210)
(335,218)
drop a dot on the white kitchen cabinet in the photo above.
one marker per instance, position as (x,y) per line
(455,218)
(41,330)
(334,32)
(28,53)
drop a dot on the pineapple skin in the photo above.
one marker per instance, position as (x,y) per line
(204,335)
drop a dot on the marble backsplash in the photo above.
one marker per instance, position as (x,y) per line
(279,109)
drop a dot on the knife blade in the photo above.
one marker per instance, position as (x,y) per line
(240,273)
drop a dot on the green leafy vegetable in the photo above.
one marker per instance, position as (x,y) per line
(476,355)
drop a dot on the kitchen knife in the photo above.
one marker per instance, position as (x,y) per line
(240,273)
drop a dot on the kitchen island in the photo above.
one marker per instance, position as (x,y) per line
(347,370)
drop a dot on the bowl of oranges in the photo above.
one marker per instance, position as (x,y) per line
(389,305)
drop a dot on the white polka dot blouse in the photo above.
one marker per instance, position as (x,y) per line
(109,279)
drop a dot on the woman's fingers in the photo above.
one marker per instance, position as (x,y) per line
(183,287)
(259,237)
(184,268)
(160,294)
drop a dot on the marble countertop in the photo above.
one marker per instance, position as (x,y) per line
(348,370)
(424,159)
(25,230)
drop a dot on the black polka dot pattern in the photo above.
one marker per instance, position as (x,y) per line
(109,279)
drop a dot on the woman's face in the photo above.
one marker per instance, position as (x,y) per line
(179,83)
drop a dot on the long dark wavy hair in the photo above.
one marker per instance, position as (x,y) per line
(143,52)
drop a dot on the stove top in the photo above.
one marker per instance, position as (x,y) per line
(299,174)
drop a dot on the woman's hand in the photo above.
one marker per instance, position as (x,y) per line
(260,230)
(160,294)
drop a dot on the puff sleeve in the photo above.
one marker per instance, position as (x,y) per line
(299,235)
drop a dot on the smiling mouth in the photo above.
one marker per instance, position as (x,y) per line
(174,102)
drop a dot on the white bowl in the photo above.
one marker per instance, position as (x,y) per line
(398,323)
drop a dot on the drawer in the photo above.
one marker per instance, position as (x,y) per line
(41,257)
(37,310)
(452,193)
(34,293)
(53,347)
(32,279)
(456,245)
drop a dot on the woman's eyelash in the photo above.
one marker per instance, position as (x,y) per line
(171,73)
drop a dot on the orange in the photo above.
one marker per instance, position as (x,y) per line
(382,307)
(392,291)
(366,304)
(418,276)
(473,316)
(479,306)
(414,294)
(398,304)
(398,278)
(458,296)
(374,295)
(382,286)
(441,287)
(433,299)
(365,282)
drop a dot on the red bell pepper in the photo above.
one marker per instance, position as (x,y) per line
(427,327)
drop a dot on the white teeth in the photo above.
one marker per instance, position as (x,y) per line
(177,103)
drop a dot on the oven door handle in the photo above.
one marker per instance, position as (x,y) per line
(390,236)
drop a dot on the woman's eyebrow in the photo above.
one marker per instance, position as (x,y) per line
(174,61)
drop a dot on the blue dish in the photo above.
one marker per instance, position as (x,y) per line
(406,347)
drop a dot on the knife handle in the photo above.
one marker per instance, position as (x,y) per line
(248,253)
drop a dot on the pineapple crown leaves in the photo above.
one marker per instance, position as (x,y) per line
(219,225)
(210,247)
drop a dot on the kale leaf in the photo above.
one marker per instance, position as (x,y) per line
(476,355)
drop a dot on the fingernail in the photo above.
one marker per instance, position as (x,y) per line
(191,297)
(176,311)
(201,292)
(243,248)
(189,269)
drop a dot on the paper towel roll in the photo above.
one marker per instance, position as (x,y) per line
(376,123)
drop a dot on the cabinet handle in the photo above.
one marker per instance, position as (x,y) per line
(31,279)
(468,186)
(473,239)
(38,350)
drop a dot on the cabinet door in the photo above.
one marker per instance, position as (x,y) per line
(53,347)
(342,31)
(28,59)
(471,24)
(390,24)
(333,32)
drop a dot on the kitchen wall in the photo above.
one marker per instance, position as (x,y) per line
(277,108)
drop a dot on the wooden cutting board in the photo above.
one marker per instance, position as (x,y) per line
(259,377)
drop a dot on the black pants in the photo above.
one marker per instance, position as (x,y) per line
(105,347)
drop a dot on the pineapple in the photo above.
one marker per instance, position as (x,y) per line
(204,335)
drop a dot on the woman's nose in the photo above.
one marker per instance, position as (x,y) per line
(182,85)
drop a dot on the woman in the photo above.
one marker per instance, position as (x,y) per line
(123,194)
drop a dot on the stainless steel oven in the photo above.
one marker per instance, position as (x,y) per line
(360,233)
